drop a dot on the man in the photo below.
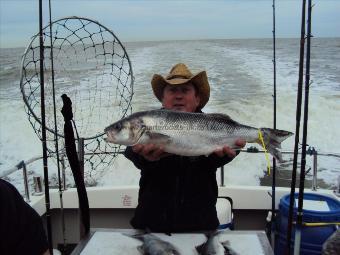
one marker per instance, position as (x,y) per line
(21,228)
(178,193)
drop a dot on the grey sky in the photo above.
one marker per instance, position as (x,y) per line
(147,20)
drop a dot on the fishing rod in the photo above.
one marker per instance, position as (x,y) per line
(273,214)
(43,130)
(60,189)
(297,241)
(297,130)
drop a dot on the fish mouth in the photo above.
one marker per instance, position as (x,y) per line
(109,140)
(110,137)
(107,129)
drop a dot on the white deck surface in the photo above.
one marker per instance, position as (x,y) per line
(115,243)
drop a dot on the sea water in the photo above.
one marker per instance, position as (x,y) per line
(240,74)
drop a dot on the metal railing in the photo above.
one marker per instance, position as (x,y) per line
(38,179)
(311,152)
(38,182)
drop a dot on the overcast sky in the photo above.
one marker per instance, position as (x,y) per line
(148,20)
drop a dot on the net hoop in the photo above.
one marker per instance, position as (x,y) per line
(36,120)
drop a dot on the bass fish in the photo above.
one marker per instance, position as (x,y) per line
(214,247)
(152,245)
(191,134)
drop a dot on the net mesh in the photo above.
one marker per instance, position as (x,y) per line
(92,67)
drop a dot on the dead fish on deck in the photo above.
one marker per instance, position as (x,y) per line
(190,134)
(152,245)
(214,247)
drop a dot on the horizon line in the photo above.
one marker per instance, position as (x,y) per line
(202,39)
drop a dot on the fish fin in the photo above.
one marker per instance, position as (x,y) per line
(140,249)
(226,243)
(212,233)
(227,249)
(272,140)
(223,118)
(158,136)
(176,252)
(219,116)
(200,248)
(140,135)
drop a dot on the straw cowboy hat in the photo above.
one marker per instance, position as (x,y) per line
(179,75)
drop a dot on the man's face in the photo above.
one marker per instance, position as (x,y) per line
(180,98)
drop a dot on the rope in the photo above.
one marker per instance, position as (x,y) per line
(260,137)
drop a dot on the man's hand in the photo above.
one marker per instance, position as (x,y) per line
(150,152)
(226,150)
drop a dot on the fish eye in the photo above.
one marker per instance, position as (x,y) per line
(117,126)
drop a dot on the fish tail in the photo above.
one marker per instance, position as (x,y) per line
(271,139)
(136,236)
(227,249)
(212,233)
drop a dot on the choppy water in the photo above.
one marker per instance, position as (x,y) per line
(241,78)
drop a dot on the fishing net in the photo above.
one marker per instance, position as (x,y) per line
(92,67)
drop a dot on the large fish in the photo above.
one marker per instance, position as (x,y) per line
(152,245)
(213,246)
(190,134)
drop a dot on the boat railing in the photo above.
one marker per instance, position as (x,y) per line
(311,152)
(37,180)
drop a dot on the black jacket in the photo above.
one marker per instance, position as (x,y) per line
(21,228)
(177,193)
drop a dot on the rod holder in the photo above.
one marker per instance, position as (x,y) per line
(38,185)
(315,170)
(222,176)
(63,172)
(337,191)
(24,171)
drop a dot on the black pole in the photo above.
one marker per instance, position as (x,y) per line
(43,130)
(274,64)
(297,130)
(274,122)
(56,132)
(304,134)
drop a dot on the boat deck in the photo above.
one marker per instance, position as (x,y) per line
(117,242)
